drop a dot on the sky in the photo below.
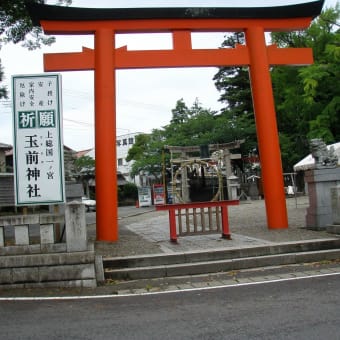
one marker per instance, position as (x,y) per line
(144,98)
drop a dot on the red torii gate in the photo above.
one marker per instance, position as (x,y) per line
(105,59)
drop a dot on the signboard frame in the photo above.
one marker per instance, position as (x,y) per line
(38,156)
(144,197)
(158,194)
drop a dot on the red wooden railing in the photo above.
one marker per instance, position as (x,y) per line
(199,218)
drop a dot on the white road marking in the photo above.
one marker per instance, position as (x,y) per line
(90,297)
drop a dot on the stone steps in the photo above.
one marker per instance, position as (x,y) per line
(194,263)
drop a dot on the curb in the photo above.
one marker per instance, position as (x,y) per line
(227,278)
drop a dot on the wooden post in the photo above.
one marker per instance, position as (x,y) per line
(225,223)
(172,222)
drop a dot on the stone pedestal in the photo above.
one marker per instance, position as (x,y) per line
(334,228)
(233,185)
(253,190)
(185,185)
(76,234)
(335,201)
(320,182)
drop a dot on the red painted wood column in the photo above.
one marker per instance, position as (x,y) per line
(266,126)
(172,223)
(105,136)
(225,222)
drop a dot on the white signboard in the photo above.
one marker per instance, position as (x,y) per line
(144,197)
(38,143)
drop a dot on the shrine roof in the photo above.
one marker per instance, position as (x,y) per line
(60,13)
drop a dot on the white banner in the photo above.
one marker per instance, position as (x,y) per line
(38,141)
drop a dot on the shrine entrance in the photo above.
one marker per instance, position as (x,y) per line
(104,59)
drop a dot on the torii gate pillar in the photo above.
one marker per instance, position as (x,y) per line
(266,127)
(105,136)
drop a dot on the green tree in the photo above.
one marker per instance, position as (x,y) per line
(197,126)
(179,113)
(188,126)
(233,82)
(147,154)
(237,118)
(16,26)
(3,89)
(85,164)
(308,98)
(307,103)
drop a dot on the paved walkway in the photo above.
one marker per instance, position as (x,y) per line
(146,231)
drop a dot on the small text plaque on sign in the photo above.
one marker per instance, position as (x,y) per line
(38,140)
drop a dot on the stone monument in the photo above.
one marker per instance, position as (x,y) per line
(320,180)
(324,158)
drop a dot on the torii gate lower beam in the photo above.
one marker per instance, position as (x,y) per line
(105,59)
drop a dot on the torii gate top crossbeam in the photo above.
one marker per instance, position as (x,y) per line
(43,12)
(151,19)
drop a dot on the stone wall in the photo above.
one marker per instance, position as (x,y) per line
(32,256)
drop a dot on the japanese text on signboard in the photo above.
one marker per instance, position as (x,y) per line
(38,143)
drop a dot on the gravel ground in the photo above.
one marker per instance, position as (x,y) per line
(250,220)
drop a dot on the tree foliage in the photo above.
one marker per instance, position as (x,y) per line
(3,90)
(236,121)
(147,154)
(190,126)
(307,101)
(85,164)
(308,98)
(16,26)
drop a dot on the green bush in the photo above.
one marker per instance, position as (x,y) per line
(120,194)
(130,191)
(127,194)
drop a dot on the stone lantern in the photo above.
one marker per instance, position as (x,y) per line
(233,185)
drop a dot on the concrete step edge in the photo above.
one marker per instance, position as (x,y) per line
(280,271)
(219,254)
(206,267)
(72,283)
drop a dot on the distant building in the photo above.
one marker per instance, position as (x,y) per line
(6,164)
(124,143)
(84,153)
(73,190)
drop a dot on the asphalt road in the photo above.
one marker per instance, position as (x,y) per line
(295,309)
